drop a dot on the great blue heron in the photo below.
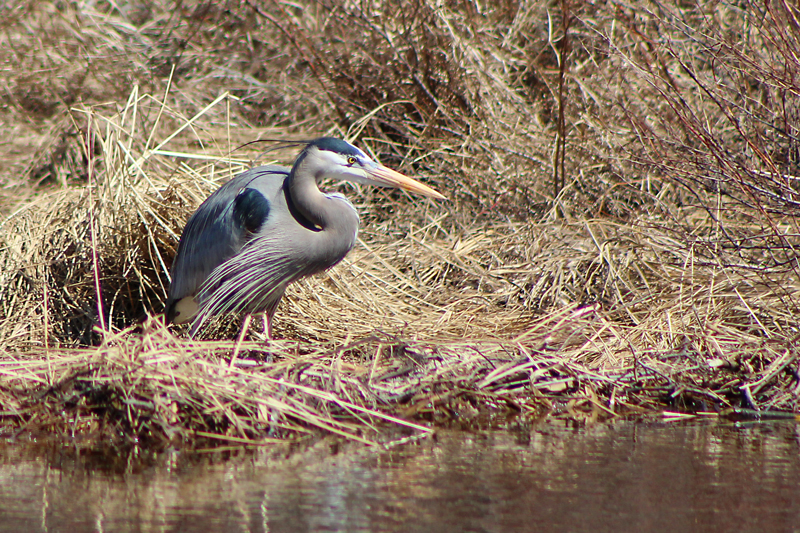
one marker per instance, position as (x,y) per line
(268,227)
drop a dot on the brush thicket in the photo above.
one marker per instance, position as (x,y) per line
(619,235)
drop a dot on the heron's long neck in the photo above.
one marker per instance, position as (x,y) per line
(304,197)
(312,207)
(331,218)
(304,200)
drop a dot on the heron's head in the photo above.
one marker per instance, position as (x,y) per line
(333,158)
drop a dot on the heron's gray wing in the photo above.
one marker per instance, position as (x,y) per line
(254,280)
(284,251)
(220,228)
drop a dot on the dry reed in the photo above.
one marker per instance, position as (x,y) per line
(619,237)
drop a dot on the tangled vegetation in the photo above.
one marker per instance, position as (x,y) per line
(620,235)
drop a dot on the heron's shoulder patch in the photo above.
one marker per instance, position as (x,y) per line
(250,209)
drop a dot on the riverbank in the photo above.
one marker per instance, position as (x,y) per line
(619,238)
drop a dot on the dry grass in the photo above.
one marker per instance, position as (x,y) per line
(620,235)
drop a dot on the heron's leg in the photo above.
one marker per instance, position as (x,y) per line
(268,325)
(242,333)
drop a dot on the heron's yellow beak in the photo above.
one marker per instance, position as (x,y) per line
(387,177)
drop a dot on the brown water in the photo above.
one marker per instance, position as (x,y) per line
(621,477)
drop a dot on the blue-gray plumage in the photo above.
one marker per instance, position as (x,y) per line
(268,227)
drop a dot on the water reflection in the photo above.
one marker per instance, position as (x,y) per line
(621,477)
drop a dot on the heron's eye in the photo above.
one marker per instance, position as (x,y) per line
(351,160)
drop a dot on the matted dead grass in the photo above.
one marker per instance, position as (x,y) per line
(619,237)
